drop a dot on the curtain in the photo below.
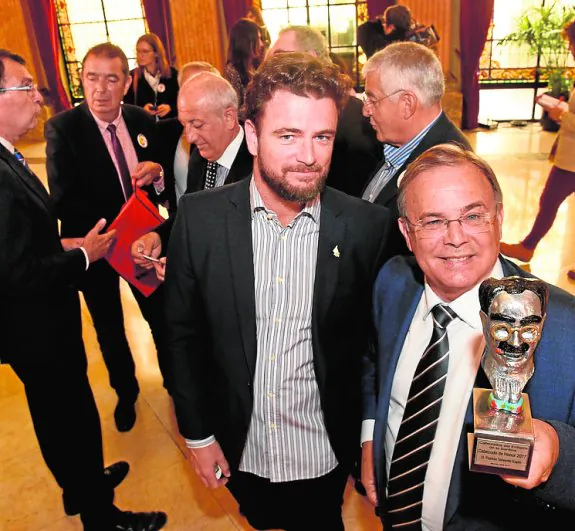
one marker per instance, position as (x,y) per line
(234,10)
(475,17)
(160,22)
(377,7)
(43,17)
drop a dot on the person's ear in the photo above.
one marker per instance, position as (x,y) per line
(251,137)
(127,83)
(230,117)
(404,228)
(409,104)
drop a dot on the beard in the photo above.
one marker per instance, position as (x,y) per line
(297,194)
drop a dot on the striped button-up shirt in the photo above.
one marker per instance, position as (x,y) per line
(394,158)
(287,438)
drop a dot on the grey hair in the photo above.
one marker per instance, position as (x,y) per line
(196,67)
(442,155)
(216,91)
(408,66)
(309,40)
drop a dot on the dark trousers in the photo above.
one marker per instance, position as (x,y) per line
(67,427)
(101,290)
(559,186)
(310,504)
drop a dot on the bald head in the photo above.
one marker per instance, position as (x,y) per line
(208,110)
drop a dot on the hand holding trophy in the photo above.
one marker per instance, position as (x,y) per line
(513,311)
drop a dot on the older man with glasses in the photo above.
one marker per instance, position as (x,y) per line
(403,90)
(417,390)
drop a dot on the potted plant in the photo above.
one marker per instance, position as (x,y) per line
(541,29)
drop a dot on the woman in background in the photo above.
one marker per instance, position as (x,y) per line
(561,181)
(154,82)
(255,14)
(245,52)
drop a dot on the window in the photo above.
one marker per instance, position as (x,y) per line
(336,19)
(84,23)
(509,79)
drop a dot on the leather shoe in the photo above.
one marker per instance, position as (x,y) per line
(128,521)
(125,415)
(113,475)
(517,251)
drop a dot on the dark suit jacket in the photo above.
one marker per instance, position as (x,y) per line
(356,150)
(212,323)
(144,93)
(241,168)
(475,500)
(443,131)
(83,180)
(40,307)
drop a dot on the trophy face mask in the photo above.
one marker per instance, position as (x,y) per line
(513,329)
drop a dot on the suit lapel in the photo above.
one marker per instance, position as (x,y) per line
(331,245)
(94,148)
(239,232)
(393,327)
(28,178)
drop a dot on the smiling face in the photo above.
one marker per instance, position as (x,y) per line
(19,110)
(453,261)
(105,85)
(292,145)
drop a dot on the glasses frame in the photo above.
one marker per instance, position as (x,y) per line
(21,88)
(444,227)
(512,329)
(374,103)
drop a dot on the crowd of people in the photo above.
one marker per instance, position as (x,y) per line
(313,239)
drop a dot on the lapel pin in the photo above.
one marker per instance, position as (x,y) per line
(161,88)
(143,141)
(336,251)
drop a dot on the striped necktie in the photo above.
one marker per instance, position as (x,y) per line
(417,430)
(211,174)
(20,158)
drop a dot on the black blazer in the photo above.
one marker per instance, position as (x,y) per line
(241,168)
(210,307)
(40,305)
(145,94)
(443,131)
(83,180)
(356,150)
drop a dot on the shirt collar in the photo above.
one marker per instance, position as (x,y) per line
(312,208)
(229,155)
(396,156)
(8,145)
(103,125)
(466,306)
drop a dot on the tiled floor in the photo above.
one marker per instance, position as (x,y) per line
(160,478)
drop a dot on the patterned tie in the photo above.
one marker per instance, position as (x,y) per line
(20,158)
(121,160)
(211,175)
(417,429)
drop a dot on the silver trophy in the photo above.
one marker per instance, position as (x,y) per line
(512,312)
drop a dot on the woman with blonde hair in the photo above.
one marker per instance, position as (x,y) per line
(154,82)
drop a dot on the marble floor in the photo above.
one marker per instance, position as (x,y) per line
(160,477)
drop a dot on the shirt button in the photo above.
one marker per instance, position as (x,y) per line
(271,395)
(280,280)
(272,426)
(273,357)
(270,216)
(277,321)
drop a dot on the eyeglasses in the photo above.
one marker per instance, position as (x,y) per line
(23,88)
(503,331)
(474,223)
(370,101)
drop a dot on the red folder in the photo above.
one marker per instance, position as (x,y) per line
(137,217)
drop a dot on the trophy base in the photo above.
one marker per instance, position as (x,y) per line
(502,442)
